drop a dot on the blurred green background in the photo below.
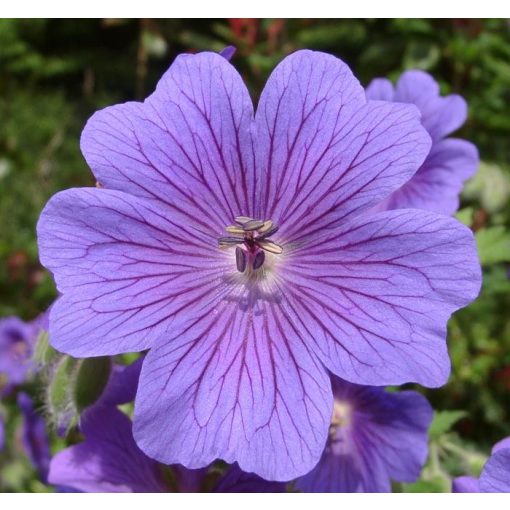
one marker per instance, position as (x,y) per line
(55,73)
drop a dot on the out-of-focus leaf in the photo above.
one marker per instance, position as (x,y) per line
(493,245)
(443,422)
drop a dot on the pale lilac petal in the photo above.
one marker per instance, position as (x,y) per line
(324,153)
(373,299)
(380,89)
(108,460)
(440,115)
(230,385)
(125,269)
(465,484)
(495,476)
(438,183)
(382,437)
(189,145)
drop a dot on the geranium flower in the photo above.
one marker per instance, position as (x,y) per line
(495,476)
(235,248)
(451,161)
(375,437)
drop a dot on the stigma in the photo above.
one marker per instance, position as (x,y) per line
(251,239)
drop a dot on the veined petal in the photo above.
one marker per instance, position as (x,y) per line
(324,153)
(238,385)
(381,437)
(437,184)
(188,145)
(125,268)
(373,299)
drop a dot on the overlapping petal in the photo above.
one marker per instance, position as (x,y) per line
(373,298)
(383,437)
(324,153)
(241,386)
(125,269)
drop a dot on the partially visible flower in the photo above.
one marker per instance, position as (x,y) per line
(437,184)
(34,437)
(375,437)
(241,250)
(495,476)
(110,461)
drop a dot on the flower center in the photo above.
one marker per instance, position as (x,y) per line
(342,417)
(251,239)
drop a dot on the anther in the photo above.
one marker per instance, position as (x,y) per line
(258,260)
(240,259)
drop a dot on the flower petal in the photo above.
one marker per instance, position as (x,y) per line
(125,268)
(440,115)
(380,89)
(495,476)
(188,145)
(465,484)
(373,299)
(236,480)
(108,460)
(438,183)
(324,153)
(236,385)
(383,438)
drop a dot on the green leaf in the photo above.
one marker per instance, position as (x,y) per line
(493,245)
(444,421)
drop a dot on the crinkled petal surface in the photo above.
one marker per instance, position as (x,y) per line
(495,476)
(108,460)
(373,298)
(383,437)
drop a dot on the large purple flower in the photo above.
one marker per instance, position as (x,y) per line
(375,437)
(439,181)
(495,475)
(178,252)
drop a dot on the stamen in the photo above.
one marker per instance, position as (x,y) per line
(240,259)
(269,233)
(234,229)
(242,219)
(225,242)
(265,227)
(252,225)
(270,246)
(258,260)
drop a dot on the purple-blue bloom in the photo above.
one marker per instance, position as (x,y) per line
(34,437)
(241,249)
(375,437)
(495,476)
(16,346)
(437,184)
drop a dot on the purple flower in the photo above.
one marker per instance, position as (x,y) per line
(234,247)
(495,475)
(110,461)
(34,437)
(17,340)
(375,437)
(439,181)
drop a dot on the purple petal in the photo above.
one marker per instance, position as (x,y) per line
(189,145)
(440,115)
(501,445)
(235,385)
(465,484)
(324,153)
(125,269)
(122,385)
(373,298)
(438,183)
(380,89)
(2,433)
(108,460)
(236,480)
(34,436)
(381,437)
(228,52)
(495,476)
